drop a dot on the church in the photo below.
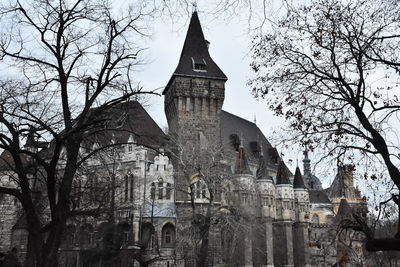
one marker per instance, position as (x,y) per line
(213,191)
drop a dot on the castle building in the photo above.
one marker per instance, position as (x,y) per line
(214,185)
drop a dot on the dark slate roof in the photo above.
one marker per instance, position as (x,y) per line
(262,170)
(344,212)
(233,128)
(282,175)
(318,196)
(195,50)
(117,124)
(298,179)
(126,119)
(166,210)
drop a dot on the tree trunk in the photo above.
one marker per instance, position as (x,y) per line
(202,256)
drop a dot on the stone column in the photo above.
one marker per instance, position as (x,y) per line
(283,243)
(248,251)
(301,249)
(269,242)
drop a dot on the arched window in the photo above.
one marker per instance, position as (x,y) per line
(152,191)
(86,235)
(124,233)
(168,191)
(131,186)
(168,236)
(126,187)
(315,218)
(160,190)
(70,236)
(148,239)
(203,191)
(198,191)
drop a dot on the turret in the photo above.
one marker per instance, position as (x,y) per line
(301,197)
(243,179)
(265,187)
(284,194)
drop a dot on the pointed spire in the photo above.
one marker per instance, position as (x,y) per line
(242,166)
(306,164)
(262,170)
(298,181)
(345,212)
(281,175)
(30,139)
(195,60)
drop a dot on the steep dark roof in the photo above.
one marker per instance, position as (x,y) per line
(282,175)
(195,50)
(318,196)
(254,142)
(344,212)
(298,179)
(117,124)
(126,119)
(242,166)
(262,170)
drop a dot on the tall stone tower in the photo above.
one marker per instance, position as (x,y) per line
(194,95)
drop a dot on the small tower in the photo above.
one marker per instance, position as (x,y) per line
(245,195)
(282,227)
(243,180)
(266,190)
(284,194)
(301,197)
(310,181)
(301,252)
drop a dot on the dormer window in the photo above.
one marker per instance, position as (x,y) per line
(199,64)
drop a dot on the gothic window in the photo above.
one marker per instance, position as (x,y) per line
(87,235)
(203,191)
(148,239)
(131,186)
(198,192)
(279,211)
(168,191)
(244,198)
(126,187)
(315,218)
(286,205)
(124,232)
(160,190)
(265,201)
(152,191)
(302,208)
(130,148)
(168,236)
(70,235)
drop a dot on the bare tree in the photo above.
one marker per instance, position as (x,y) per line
(210,202)
(68,62)
(331,69)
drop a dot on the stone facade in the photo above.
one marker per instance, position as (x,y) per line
(153,203)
